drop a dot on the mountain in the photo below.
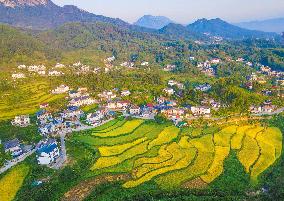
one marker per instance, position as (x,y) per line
(178,31)
(44,14)
(218,27)
(153,22)
(271,25)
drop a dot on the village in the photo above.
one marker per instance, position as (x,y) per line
(110,104)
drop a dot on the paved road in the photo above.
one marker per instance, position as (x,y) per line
(278,111)
(15,162)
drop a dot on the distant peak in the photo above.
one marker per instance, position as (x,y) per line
(153,22)
(20,3)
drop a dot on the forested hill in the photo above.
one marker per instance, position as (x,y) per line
(99,36)
(18,45)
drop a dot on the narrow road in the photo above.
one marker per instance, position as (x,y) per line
(15,162)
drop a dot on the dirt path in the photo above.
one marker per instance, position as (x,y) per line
(82,190)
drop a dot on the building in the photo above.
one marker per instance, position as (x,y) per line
(58,65)
(169,91)
(72,112)
(108,95)
(134,110)
(22,67)
(110,59)
(60,90)
(97,117)
(81,101)
(125,93)
(145,63)
(215,61)
(127,64)
(22,121)
(18,76)
(200,110)
(47,152)
(55,73)
(203,87)
(43,105)
(13,147)
(174,113)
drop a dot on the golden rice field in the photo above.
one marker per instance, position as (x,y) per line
(26,100)
(12,182)
(171,158)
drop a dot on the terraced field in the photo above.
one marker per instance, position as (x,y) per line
(171,158)
(26,100)
(12,182)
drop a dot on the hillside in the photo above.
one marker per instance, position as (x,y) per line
(153,22)
(16,45)
(271,25)
(218,27)
(178,31)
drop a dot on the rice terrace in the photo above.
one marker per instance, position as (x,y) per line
(173,157)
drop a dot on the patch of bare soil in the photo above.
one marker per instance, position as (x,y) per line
(197,183)
(82,190)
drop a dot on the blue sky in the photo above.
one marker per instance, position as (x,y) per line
(183,11)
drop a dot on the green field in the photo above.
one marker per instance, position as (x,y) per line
(12,182)
(25,99)
(171,157)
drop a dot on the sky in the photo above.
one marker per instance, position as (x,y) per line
(183,11)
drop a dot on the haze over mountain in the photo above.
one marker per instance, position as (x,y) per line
(270,25)
(218,27)
(44,14)
(153,22)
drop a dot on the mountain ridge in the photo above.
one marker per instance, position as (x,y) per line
(221,28)
(269,25)
(153,22)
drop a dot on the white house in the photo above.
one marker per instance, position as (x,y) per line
(22,67)
(169,67)
(107,95)
(172,83)
(83,100)
(200,111)
(215,61)
(47,152)
(203,87)
(125,93)
(35,68)
(174,113)
(96,117)
(134,110)
(110,59)
(22,121)
(55,73)
(127,64)
(77,64)
(59,65)
(145,63)
(13,147)
(18,76)
(41,72)
(61,89)
(169,91)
